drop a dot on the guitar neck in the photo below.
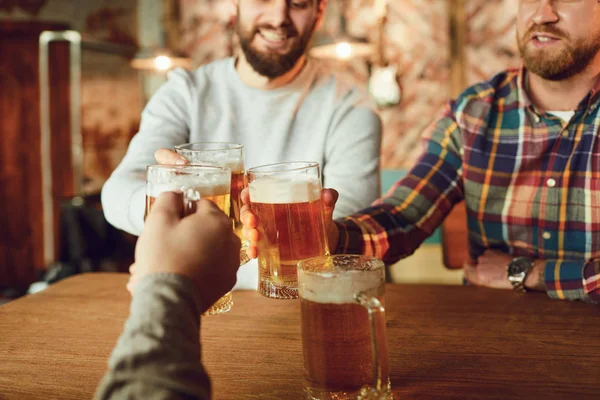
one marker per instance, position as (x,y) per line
(379,58)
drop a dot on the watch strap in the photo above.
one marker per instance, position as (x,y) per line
(519,287)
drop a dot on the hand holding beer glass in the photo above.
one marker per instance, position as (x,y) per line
(344,340)
(228,155)
(194,182)
(286,201)
(329,198)
(189,246)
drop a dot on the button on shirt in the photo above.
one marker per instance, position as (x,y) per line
(530,190)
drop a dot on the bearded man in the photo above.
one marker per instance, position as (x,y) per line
(273,99)
(523,151)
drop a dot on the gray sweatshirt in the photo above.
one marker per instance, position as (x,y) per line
(317,117)
(158,353)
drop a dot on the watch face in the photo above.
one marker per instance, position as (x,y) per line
(514,269)
(519,265)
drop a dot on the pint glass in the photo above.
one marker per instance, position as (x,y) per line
(195,182)
(286,199)
(228,155)
(344,341)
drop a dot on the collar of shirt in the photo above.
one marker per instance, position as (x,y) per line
(591,100)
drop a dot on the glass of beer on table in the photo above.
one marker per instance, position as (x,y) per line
(344,342)
(286,199)
(195,182)
(230,155)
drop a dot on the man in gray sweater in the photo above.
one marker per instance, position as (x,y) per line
(158,353)
(273,99)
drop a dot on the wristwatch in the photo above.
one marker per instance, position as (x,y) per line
(518,269)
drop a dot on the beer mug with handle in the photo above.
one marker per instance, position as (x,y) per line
(344,341)
(222,154)
(195,182)
(286,199)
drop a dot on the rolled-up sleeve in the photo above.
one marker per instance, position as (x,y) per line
(573,280)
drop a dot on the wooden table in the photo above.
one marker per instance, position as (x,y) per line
(445,342)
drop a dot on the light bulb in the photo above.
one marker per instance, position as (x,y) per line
(163,63)
(343,50)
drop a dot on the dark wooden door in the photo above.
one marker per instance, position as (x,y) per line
(21,215)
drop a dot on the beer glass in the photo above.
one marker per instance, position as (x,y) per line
(195,182)
(286,199)
(228,155)
(344,341)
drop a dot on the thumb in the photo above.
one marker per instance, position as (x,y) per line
(169,157)
(245,196)
(329,198)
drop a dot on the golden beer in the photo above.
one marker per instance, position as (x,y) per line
(229,155)
(195,182)
(337,341)
(291,228)
(222,201)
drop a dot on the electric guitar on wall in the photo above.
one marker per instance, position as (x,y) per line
(383,83)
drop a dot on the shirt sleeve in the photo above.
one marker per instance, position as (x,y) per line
(158,353)
(572,280)
(164,124)
(352,155)
(416,205)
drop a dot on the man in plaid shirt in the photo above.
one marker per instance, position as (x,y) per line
(522,150)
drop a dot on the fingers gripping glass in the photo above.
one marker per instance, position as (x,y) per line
(195,182)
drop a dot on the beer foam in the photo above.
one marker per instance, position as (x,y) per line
(155,190)
(214,157)
(280,190)
(233,164)
(339,288)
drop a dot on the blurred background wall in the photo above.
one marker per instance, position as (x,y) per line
(110,88)
(438,47)
(417,40)
(111,103)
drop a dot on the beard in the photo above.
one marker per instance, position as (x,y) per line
(271,64)
(572,59)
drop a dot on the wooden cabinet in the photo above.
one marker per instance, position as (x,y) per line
(21,214)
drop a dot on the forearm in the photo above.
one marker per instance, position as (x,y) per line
(396,227)
(124,193)
(123,201)
(385,234)
(158,354)
(417,204)
(164,124)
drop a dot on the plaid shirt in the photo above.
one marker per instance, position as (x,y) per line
(531,185)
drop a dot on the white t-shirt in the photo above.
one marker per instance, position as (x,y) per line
(564,115)
(317,117)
